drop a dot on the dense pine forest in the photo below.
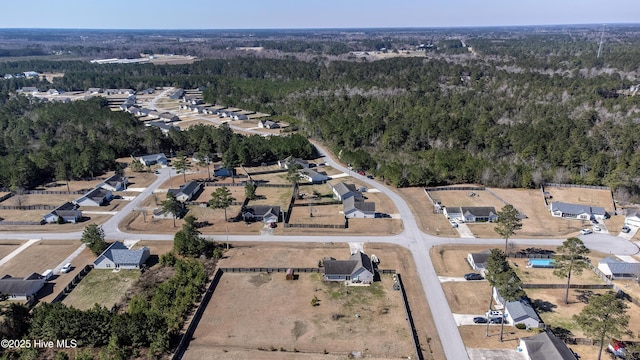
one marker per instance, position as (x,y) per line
(509,109)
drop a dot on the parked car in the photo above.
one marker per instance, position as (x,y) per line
(473,276)
(480,320)
(453,223)
(596,228)
(626,229)
(66,268)
(585,231)
(594,221)
(496,320)
(273,225)
(494,313)
(361,172)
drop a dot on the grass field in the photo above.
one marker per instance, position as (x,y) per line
(103,287)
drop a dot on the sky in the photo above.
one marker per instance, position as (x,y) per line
(295,14)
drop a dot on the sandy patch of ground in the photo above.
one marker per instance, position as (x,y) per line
(43,255)
(294,323)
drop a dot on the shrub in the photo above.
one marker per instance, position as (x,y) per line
(521,326)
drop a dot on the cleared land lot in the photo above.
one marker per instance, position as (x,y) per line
(103,287)
(7,246)
(422,210)
(40,256)
(574,195)
(284,317)
(39,200)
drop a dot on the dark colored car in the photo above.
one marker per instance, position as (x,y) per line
(496,320)
(273,225)
(480,320)
(626,229)
(473,276)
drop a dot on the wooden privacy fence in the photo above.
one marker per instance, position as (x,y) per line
(41,222)
(53,192)
(578,186)
(28,207)
(564,286)
(407,309)
(270,270)
(72,284)
(317,226)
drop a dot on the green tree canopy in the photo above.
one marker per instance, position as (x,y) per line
(93,237)
(604,317)
(172,206)
(221,199)
(188,241)
(508,223)
(570,259)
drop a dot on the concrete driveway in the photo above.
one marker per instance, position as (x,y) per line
(486,354)
(464,231)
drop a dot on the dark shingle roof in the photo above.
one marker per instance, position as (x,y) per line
(347,267)
(620,267)
(577,208)
(21,286)
(352,203)
(120,254)
(483,211)
(545,346)
(519,310)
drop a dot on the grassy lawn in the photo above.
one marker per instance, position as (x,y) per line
(103,287)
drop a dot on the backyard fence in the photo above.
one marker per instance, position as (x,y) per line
(564,286)
(319,203)
(318,226)
(72,284)
(464,188)
(28,207)
(6,196)
(407,309)
(578,186)
(270,270)
(41,222)
(186,337)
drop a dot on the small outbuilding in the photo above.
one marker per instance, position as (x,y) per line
(290,275)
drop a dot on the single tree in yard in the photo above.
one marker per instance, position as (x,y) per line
(203,161)
(182,164)
(510,288)
(188,241)
(172,206)
(496,267)
(570,260)
(603,318)
(508,223)
(93,237)
(250,190)
(293,174)
(221,199)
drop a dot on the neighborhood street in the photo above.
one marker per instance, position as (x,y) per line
(411,238)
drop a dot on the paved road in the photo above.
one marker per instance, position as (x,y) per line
(411,238)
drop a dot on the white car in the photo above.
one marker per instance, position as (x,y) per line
(66,268)
(585,232)
(453,223)
(494,313)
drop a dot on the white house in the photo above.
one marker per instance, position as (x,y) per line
(616,269)
(148,160)
(344,191)
(478,261)
(313,176)
(358,269)
(68,212)
(633,220)
(187,191)
(266,214)
(290,161)
(545,346)
(95,197)
(352,208)
(577,211)
(471,213)
(115,183)
(518,312)
(118,256)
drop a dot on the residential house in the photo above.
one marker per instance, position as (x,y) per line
(160,214)
(291,161)
(118,256)
(164,127)
(187,191)
(22,289)
(352,208)
(28,90)
(616,269)
(313,176)
(115,183)
(478,261)
(168,117)
(519,311)
(94,90)
(221,171)
(268,124)
(30,74)
(266,214)
(68,212)
(358,269)
(344,191)
(577,211)
(471,213)
(95,197)
(177,94)
(148,91)
(54,92)
(148,160)
(545,346)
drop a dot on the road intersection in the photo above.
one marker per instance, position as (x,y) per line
(412,238)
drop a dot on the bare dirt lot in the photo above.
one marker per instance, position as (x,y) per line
(38,199)
(422,210)
(292,323)
(43,255)
(7,246)
(574,195)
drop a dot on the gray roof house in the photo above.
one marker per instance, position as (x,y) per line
(617,269)
(28,89)
(289,161)
(352,208)
(221,171)
(545,346)
(24,289)
(115,183)
(118,256)
(264,213)
(313,176)
(519,311)
(95,197)
(478,261)
(576,211)
(164,127)
(268,124)
(357,269)
(68,212)
(168,117)
(177,94)
(187,191)
(148,160)
(471,213)
(344,191)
